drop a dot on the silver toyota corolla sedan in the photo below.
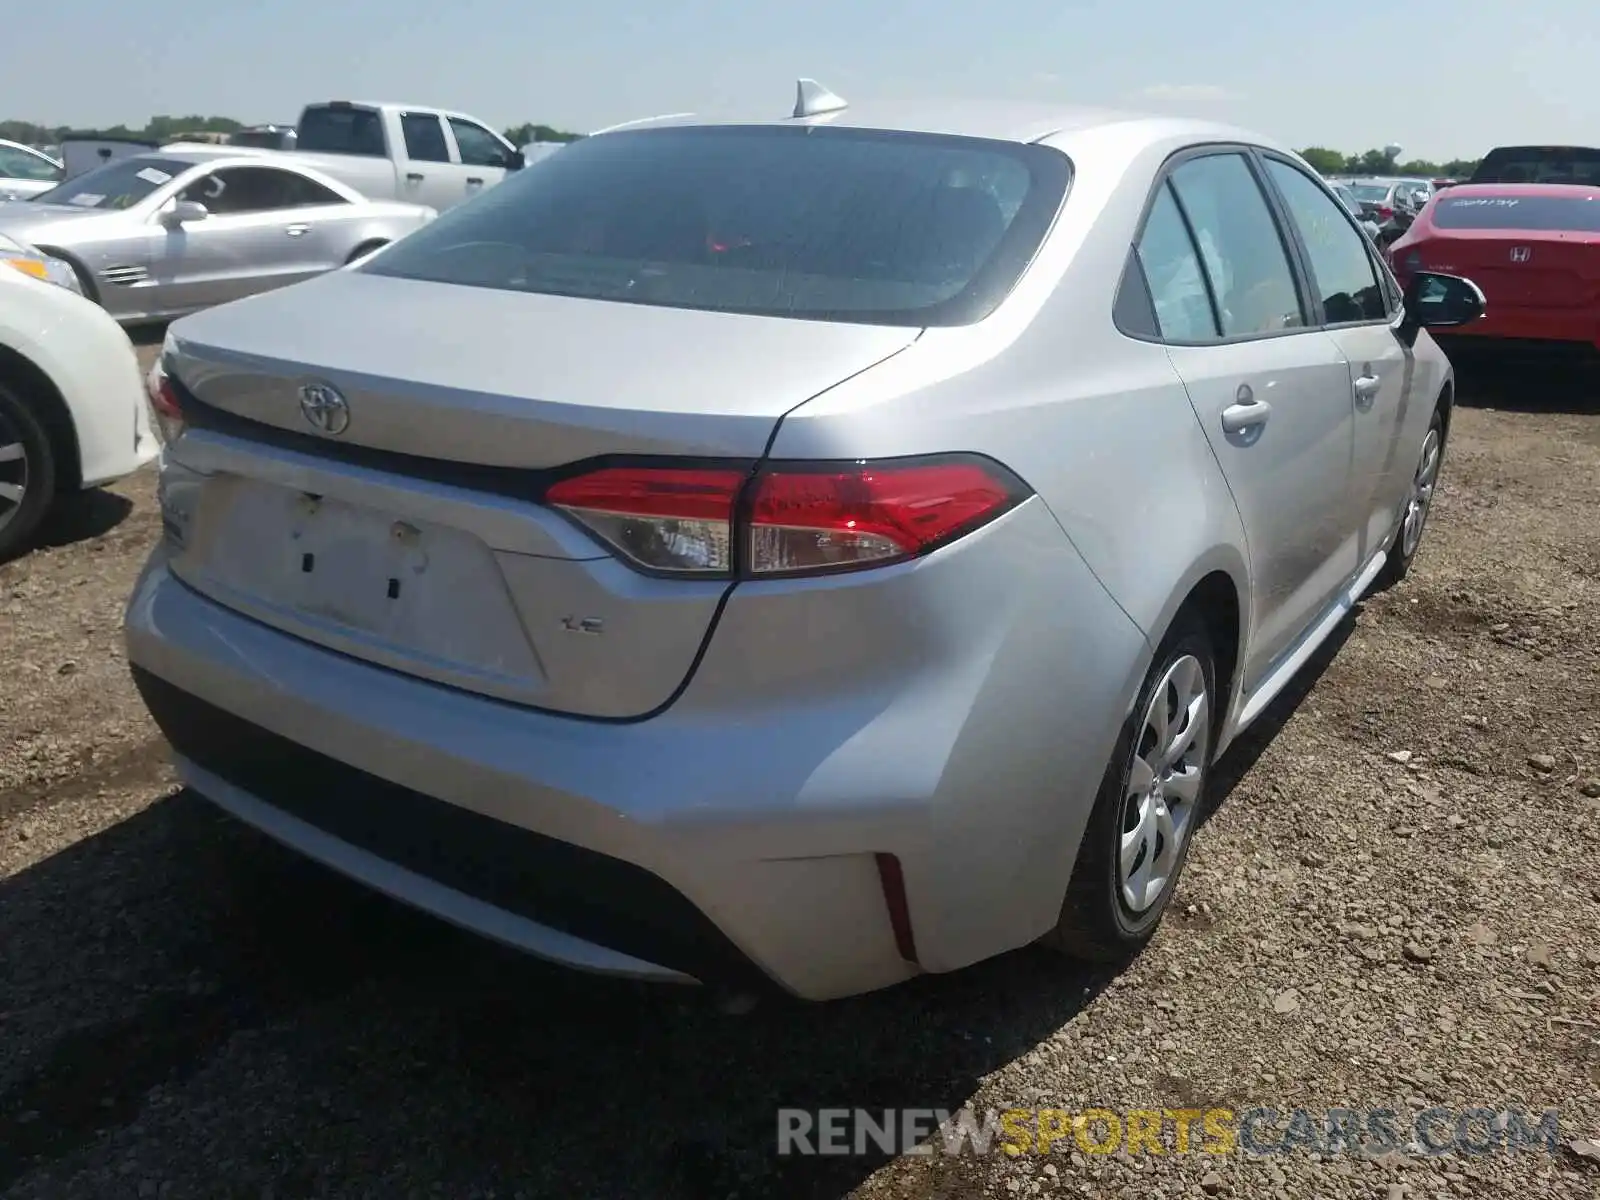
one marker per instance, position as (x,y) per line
(814,551)
(156,235)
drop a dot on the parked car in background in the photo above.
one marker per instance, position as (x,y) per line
(1391,203)
(1534,250)
(72,406)
(404,152)
(81,154)
(25,172)
(757,597)
(264,137)
(1578,165)
(1348,198)
(161,234)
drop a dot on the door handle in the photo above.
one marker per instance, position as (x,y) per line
(296,230)
(1237,418)
(473,179)
(413,176)
(1367,388)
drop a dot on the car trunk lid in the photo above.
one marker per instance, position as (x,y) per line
(1515,268)
(414,537)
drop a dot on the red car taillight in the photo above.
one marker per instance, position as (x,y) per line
(1385,213)
(786,518)
(166,405)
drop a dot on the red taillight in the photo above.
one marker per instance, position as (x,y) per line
(1385,213)
(790,518)
(165,403)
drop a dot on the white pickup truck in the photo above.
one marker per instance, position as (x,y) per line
(404,151)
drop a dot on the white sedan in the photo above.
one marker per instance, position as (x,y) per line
(73,412)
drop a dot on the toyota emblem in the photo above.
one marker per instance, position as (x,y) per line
(323,406)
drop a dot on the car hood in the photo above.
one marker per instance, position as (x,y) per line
(30,221)
(513,378)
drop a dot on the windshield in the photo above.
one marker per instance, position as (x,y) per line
(1371,193)
(119,184)
(1540,164)
(1574,214)
(800,221)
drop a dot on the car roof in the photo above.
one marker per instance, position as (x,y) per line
(1000,120)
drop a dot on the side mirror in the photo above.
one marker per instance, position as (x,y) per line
(184,211)
(514,160)
(1434,301)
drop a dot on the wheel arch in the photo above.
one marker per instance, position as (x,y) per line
(1215,591)
(367,246)
(85,276)
(36,386)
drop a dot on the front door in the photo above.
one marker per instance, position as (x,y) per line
(250,240)
(481,154)
(1271,393)
(1360,310)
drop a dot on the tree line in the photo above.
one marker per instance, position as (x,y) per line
(1376,162)
(167,128)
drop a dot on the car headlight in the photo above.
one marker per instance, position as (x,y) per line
(41,266)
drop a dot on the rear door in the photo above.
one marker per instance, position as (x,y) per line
(1271,392)
(1361,315)
(428,176)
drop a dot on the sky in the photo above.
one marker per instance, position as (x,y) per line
(1441,78)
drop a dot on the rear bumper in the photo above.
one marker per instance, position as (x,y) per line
(733,837)
(1534,325)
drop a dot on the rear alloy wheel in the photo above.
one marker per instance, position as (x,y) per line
(27,472)
(1149,805)
(1418,503)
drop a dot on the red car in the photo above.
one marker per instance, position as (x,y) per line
(1533,249)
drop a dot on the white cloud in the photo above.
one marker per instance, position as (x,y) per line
(1188,93)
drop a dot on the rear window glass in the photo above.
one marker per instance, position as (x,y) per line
(1372,193)
(1577,214)
(328,130)
(119,184)
(810,222)
(1540,164)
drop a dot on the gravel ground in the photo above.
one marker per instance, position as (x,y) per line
(1397,903)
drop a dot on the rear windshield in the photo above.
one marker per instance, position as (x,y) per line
(329,130)
(1540,164)
(1576,214)
(801,221)
(119,184)
(1372,193)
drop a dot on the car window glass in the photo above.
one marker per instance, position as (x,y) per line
(424,137)
(19,164)
(119,184)
(1239,244)
(1172,273)
(479,147)
(810,222)
(237,191)
(1343,269)
(300,192)
(340,129)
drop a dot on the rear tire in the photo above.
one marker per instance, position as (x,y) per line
(27,472)
(1149,805)
(1418,503)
